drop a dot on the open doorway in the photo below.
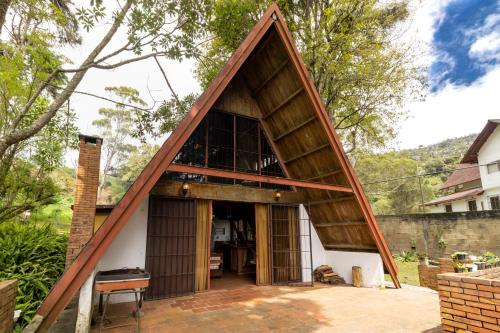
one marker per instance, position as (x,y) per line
(232,245)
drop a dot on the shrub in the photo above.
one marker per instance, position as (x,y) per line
(35,256)
(406,256)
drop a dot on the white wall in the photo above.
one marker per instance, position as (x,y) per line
(341,261)
(462,205)
(128,248)
(490,152)
(371,265)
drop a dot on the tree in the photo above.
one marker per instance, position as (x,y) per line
(170,29)
(348,46)
(116,128)
(128,171)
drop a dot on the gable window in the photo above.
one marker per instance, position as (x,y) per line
(472,205)
(495,202)
(229,142)
(493,167)
(448,208)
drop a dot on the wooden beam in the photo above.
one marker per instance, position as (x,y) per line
(295,128)
(326,174)
(252,177)
(309,152)
(333,200)
(285,102)
(339,224)
(278,69)
(342,247)
(226,192)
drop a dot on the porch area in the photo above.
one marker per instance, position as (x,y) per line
(320,308)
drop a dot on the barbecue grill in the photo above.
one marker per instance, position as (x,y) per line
(121,281)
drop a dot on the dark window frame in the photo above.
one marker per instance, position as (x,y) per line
(495,202)
(472,204)
(448,208)
(221,150)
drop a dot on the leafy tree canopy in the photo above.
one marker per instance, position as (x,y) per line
(361,73)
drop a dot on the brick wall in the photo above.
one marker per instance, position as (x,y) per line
(85,196)
(8,291)
(427,274)
(473,232)
(470,302)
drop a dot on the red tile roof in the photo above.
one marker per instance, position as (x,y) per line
(465,173)
(456,196)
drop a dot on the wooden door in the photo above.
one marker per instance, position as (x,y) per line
(263,267)
(285,235)
(170,249)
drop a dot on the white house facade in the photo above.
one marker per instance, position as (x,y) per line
(475,185)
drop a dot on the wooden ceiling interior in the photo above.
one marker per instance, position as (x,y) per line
(268,88)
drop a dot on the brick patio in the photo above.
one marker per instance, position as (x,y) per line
(286,309)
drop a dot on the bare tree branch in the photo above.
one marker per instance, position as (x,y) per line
(168,82)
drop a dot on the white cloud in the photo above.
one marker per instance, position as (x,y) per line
(486,45)
(452,112)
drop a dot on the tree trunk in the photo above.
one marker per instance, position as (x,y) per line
(4,7)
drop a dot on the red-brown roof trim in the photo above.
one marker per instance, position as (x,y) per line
(471,154)
(86,261)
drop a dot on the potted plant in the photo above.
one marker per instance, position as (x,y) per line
(459,256)
(459,267)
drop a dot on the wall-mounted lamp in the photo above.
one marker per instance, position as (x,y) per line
(185,189)
(277,195)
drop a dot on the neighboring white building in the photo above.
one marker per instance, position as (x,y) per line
(476,183)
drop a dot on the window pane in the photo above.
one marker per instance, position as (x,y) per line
(495,202)
(448,209)
(247,145)
(220,140)
(472,206)
(193,151)
(493,167)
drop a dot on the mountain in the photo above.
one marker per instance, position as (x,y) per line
(400,181)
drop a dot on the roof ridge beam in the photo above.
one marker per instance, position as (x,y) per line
(295,128)
(333,200)
(309,152)
(277,70)
(285,102)
(253,177)
(339,224)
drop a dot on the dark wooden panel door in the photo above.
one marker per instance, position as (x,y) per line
(285,236)
(170,249)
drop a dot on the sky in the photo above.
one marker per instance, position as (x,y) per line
(460,40)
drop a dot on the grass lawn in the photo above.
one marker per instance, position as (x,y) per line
(407,273)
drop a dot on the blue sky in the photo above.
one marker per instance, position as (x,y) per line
(465,42)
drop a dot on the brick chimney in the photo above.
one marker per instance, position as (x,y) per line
(85,195)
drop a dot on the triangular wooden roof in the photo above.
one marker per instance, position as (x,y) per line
(271,25)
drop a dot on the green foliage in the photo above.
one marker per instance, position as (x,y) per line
(406,256)
(348,46)
(35,256)
(390,179)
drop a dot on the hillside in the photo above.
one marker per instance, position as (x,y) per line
(390,179)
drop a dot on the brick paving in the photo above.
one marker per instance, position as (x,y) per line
(287,309)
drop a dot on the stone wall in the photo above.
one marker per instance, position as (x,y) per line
(470,302)
(8,291)
(441,234)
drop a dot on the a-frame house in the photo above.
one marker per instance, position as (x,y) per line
(258,137)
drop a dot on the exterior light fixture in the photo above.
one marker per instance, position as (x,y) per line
(274,17)
(277,195)
(185,188)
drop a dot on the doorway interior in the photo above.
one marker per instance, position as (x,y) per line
(232,245)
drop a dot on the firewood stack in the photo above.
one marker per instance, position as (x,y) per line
(325,274)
